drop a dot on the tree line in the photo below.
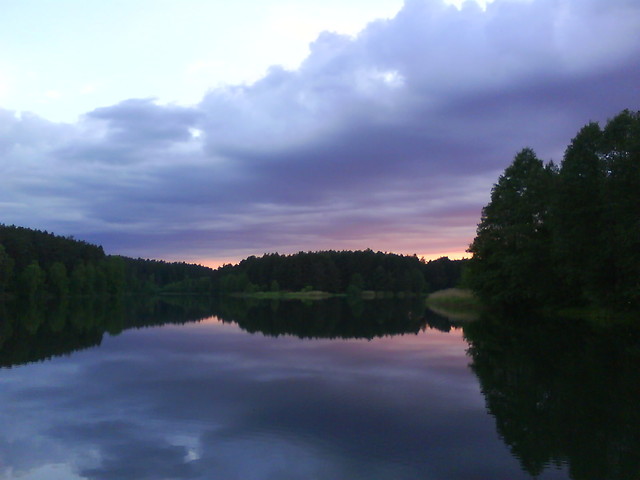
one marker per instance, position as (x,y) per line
(36,264)
(565,235)
(338,272)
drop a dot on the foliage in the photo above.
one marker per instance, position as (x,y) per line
(6,269)
(58,279)
(71,267)
(40,264)
(511,248)
(339,271)
(455,303)
(568,235)
(32,280)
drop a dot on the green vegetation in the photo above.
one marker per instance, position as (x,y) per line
(456,304)
(565,236)
(36,265)
(338,272)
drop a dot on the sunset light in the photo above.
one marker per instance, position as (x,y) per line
(196,131)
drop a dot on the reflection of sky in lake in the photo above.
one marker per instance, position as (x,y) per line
(206,401)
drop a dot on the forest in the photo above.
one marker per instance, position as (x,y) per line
(561,235)
(38,264)
(340,271)
(565,235)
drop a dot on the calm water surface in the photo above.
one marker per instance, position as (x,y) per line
(208,400)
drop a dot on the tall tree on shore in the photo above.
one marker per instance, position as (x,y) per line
(578,214)
(621,139)
(567,235)
(512,248)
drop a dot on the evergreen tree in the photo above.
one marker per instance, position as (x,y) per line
(79,283)
(58,280)
(6,269)
(32,281)
(114,268)
(418,283)
(511,250)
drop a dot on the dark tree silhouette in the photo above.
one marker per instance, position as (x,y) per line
(511,252)
(569,235)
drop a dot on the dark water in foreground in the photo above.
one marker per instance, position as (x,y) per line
(380,390)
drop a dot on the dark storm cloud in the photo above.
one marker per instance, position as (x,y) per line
(356,148)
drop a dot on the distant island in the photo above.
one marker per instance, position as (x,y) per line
(38,264)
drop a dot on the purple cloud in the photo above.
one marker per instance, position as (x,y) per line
(391,139)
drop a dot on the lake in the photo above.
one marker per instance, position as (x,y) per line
(329,390)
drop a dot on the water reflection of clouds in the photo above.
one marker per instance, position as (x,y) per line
(200,403)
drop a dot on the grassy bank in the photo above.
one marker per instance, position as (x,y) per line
(457,304)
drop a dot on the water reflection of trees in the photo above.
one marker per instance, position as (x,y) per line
(562,394)
(35,331)
(333,318)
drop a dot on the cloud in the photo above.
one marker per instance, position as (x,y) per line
(127,451)
(372,142)
(206,402)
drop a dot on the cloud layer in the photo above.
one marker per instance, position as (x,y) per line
(389,140)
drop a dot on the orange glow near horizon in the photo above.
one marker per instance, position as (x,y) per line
(218,262)
(453,255)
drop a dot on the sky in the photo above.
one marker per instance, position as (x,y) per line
(207,131)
